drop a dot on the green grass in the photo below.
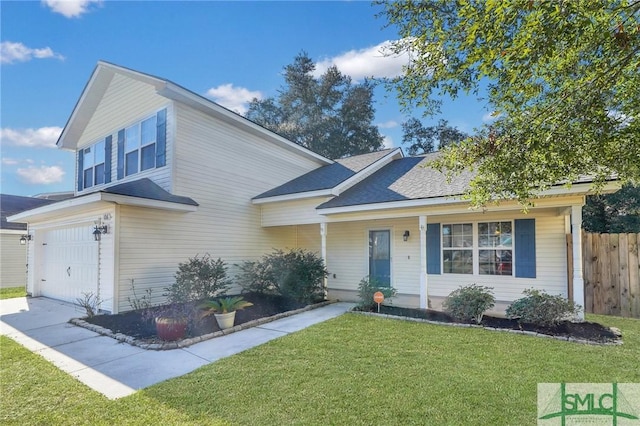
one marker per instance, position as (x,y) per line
(11,292)
(350,370)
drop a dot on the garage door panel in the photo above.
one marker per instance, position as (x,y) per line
(71,263)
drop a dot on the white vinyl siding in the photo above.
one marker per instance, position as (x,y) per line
(296,212)
(221,168)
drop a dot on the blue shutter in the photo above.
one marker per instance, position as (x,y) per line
(433,248)
(525,250)
(107,159)
(80,169)
(121,154)
(161,138)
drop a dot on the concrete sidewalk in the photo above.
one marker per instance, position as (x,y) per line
(118,369)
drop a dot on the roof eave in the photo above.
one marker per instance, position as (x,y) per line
(294,196)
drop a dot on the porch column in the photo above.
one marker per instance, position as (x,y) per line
(576,234)
(423,262)
(323,252)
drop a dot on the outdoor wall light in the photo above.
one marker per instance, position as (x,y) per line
(24,239)
(98,231)
(406,234)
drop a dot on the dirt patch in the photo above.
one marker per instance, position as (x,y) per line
(133,323)
(589,331)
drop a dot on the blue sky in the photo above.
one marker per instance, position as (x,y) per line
(227,51)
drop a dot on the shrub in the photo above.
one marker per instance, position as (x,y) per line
(366,289)
(297,274)
(197,279)
(469,302)
(541,308)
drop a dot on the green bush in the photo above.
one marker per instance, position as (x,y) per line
(541,308)
(366,289)
(469,302)
(197,279)
(297,275)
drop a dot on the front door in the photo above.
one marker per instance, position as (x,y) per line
(380,257)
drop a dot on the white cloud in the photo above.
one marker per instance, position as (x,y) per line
(9,161)
(374,61)
(44,137)
(42,175)
(388,142)
(234,98)
(70,8)
(11,52)
(388,124)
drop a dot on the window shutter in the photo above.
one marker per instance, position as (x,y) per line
(107,159)
(120,154)
(525,248)
(80,169)
(433,248)
(161,138)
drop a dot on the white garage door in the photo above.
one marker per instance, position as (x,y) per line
(70,263)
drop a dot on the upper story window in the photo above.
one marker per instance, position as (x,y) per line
(140,146)
(94,164)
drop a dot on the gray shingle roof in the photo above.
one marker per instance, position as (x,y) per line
(146,188)
(402,179)
(326,177)
(14,204)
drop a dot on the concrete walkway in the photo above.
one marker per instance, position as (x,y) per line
(118,369)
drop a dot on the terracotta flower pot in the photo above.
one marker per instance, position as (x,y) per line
(226,320)
(171,329)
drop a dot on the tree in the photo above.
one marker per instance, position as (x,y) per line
(561,76)
(329,115)
(422,140)
(613,213)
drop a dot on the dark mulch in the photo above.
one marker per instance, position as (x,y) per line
(580,330)
(133,323)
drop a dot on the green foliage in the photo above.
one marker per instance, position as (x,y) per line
(140,302)
(296,274)
(224,305)
(562,78)
(12,292)
(542,308)
(422,140)
(329,115)
(469,302)
(367,287)
(197,279)
(613,213)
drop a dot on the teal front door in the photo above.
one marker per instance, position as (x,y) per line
(380,257)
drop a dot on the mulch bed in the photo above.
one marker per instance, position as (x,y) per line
(589,331)
(132,323)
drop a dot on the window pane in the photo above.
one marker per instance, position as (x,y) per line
(131,163)
(99,174)
(495,262)
(99,152)
(457,261)
(132,138)
(148,130)
(88,178)
(148,157)
(87,160)
(446,236)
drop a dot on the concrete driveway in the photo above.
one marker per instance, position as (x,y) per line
(118,369)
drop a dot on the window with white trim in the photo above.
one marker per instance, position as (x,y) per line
(495,242)
(93,165)
(457,248)
(140,146)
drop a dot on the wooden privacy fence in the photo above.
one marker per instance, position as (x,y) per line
(611,274)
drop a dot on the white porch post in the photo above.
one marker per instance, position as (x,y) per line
(323,252)
(576,235)
(423,262)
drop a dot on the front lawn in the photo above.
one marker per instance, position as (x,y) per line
(350,370)
(11,292)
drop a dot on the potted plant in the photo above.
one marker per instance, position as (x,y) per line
(172,321)
(224,309)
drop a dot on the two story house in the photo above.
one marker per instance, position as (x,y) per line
(164,174)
